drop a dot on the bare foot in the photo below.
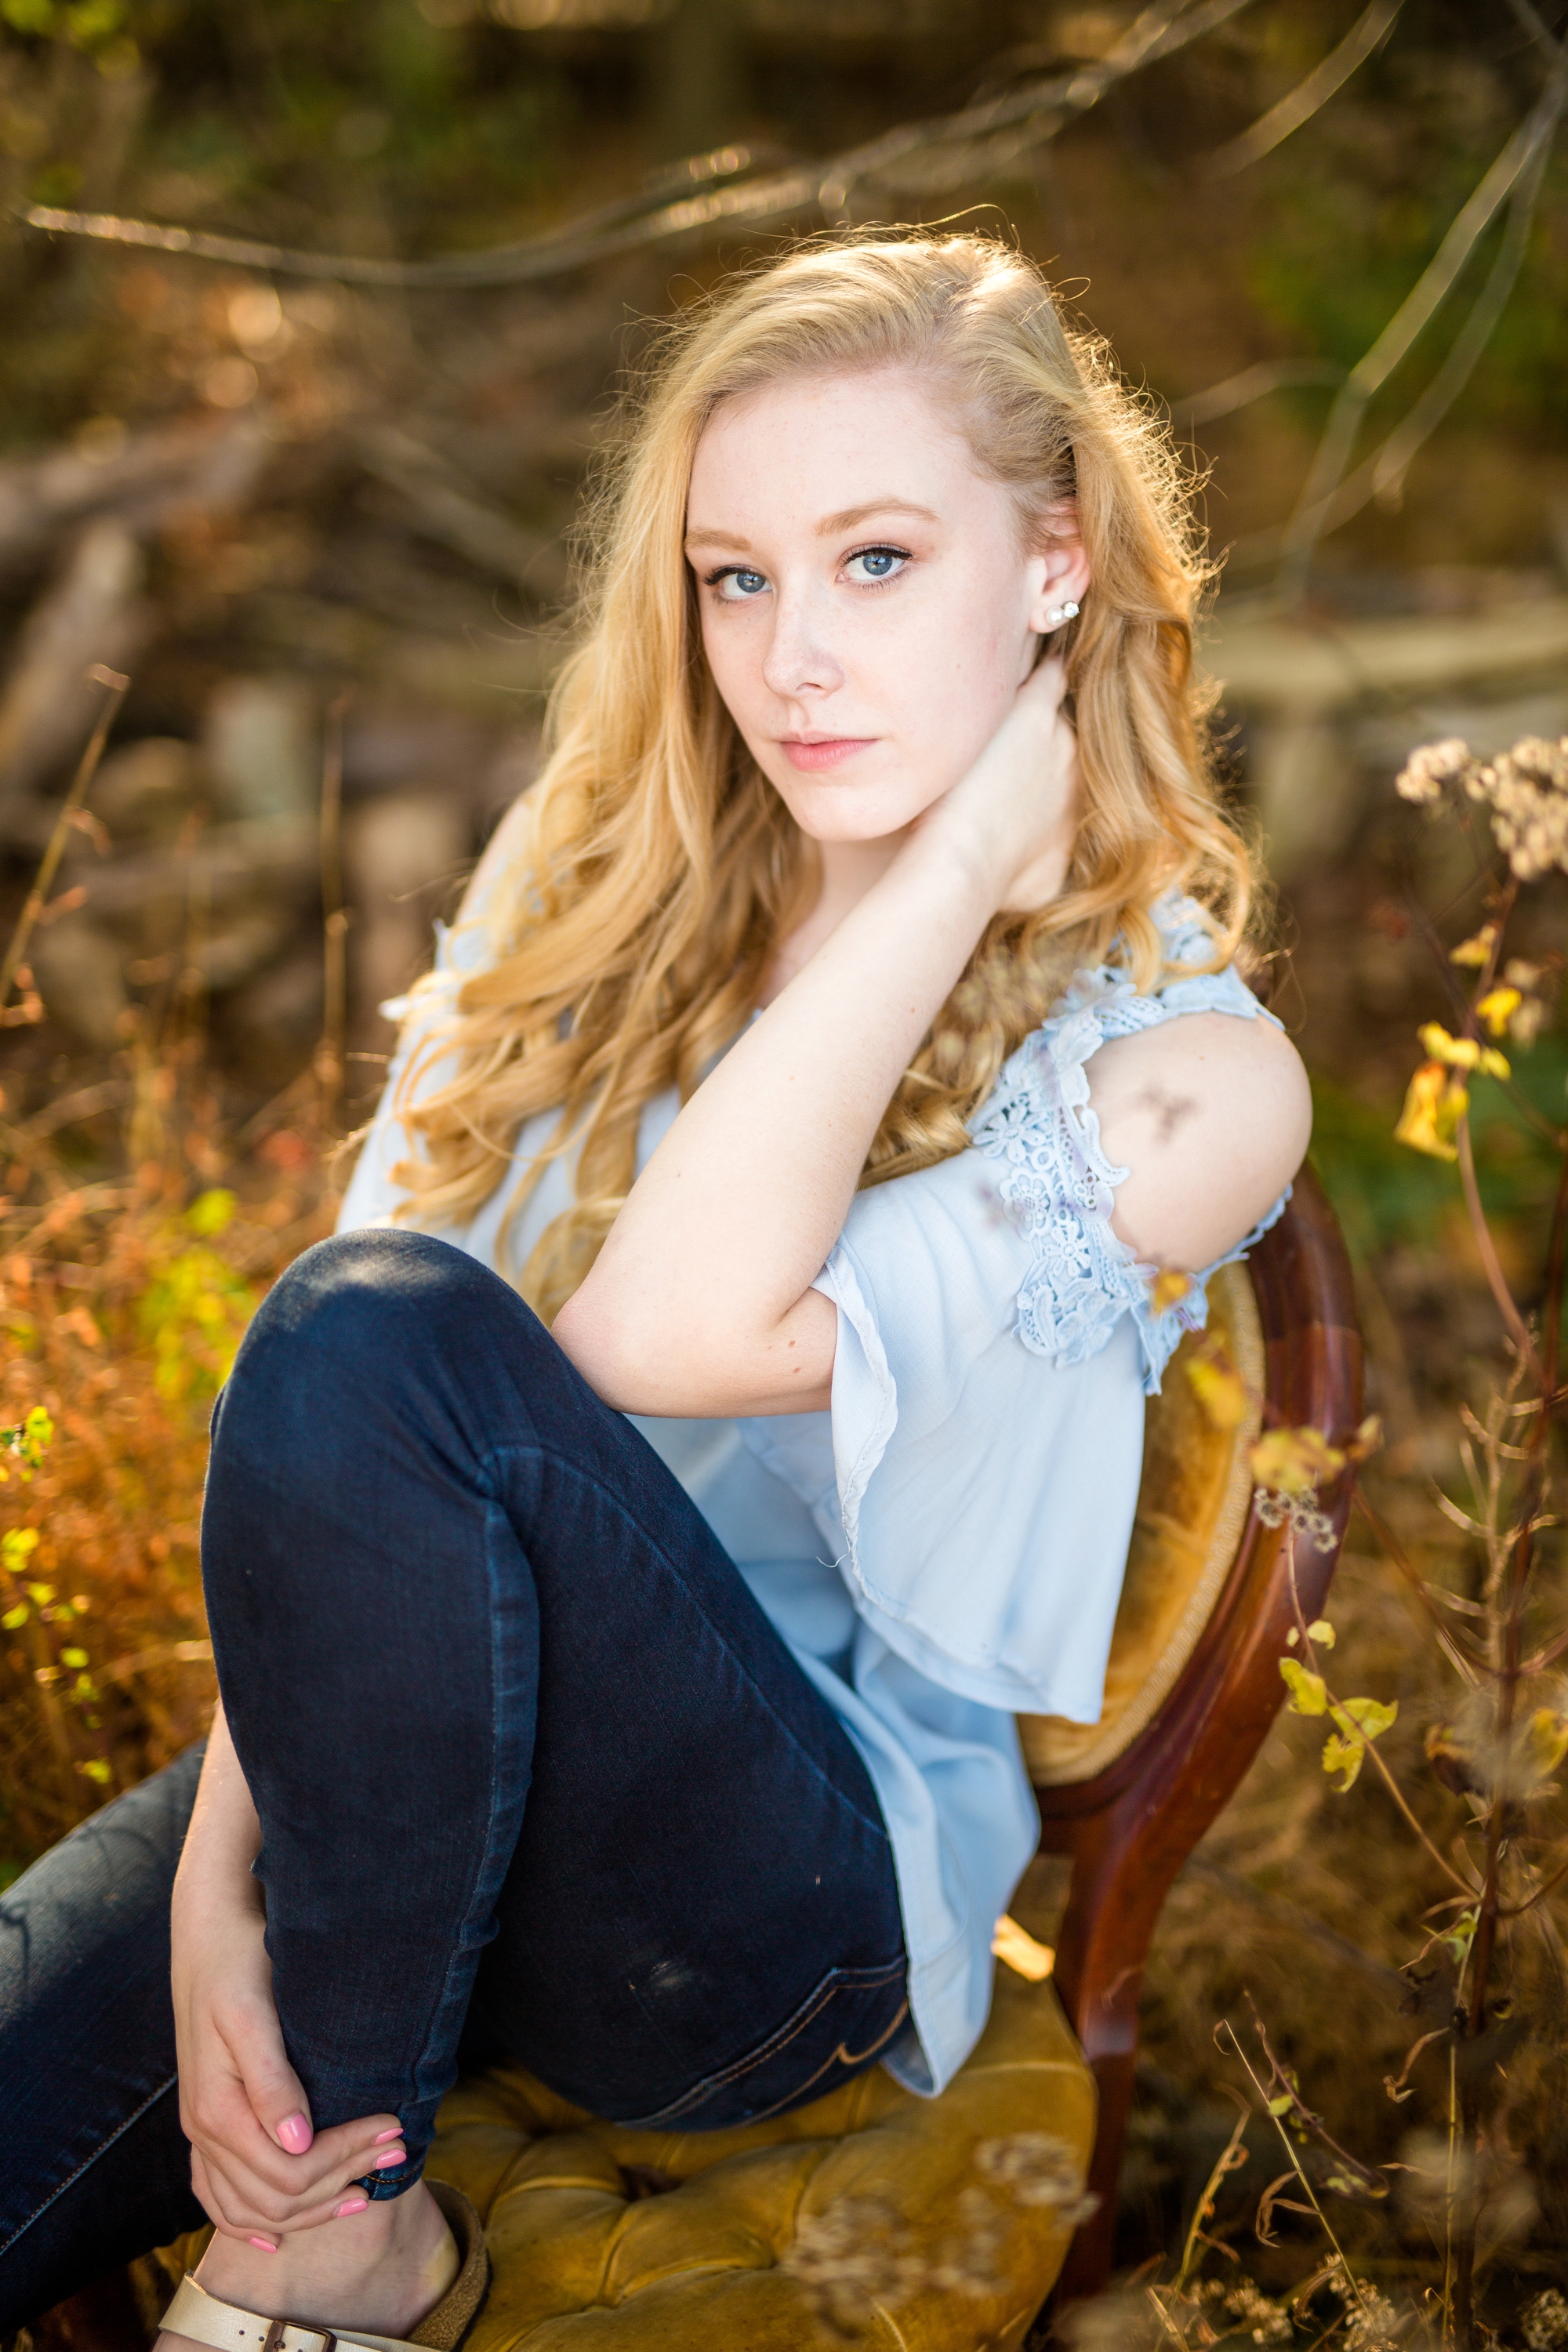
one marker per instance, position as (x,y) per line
(380,2270)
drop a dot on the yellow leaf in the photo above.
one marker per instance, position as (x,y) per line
(1308,1694)
(1498,1007)
(1367,1439)
(1168,1286)
(1018,1950)
(1344,1756)
(1218,1387)
(1476,952)
(1434,1105)
(14,1617)
(1462,1052)
(73,1657)
(1321,1632)
(96,1770)
(1294,1461)
(1364,1719)
(209,1213)
(1545,1741)
(16,1545)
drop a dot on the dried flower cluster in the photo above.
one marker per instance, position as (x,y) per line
(1245,2304)
(1543,2322)
(858,2257)
(1300,1512)
(1036,2169)
(1524,790)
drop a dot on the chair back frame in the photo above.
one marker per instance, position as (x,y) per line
(1131,1828)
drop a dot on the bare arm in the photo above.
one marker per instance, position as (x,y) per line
(1211,1115)
(700,1300)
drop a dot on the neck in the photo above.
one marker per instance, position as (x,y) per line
(849,868)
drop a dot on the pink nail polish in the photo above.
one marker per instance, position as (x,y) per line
(353,2205)
(266,2246)
(294,2134)
(393,2155)
(381,2138)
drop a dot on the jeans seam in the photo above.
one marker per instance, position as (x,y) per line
(543,1452)
(89,2161)
(725,2077)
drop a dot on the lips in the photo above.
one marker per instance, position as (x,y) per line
(826,751)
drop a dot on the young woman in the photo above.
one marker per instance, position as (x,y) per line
(832,1044)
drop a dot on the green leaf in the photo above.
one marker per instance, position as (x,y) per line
(14,1617)
(1309,1695)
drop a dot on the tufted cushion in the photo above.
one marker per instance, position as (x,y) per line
(1192,1508)
(586,2259)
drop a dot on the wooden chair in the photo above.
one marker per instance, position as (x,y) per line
(583,2253)
(1196,1686)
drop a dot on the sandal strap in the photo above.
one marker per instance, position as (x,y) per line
(226,2327)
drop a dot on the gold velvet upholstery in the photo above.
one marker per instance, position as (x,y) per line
(1192,1506)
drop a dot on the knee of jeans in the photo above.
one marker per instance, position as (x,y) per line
(362,1305)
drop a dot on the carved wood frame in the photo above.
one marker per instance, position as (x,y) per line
(1131,1828)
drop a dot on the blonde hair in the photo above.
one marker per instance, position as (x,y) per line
(629,941)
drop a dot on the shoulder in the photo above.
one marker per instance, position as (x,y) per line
(1211,1115)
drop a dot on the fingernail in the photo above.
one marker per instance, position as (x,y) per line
(294,2134)
(393,2155)
(266,2246)
(381,2137)
(353,2205)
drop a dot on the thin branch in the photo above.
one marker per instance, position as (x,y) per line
(1252,384)
(954,147)
(1492,1264)
(1371,28)
(15,953)
(1382,473)
(1431,289)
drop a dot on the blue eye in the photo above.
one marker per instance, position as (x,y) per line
(877,563)
(736,584)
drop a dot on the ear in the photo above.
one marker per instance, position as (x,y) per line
(1059,572)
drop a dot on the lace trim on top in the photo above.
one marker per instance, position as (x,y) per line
(1054,1179)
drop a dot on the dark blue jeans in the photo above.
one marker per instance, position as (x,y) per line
(538,1780)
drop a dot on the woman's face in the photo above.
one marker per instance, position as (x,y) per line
(867,611)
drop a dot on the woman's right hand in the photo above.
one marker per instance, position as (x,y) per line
(256,2165)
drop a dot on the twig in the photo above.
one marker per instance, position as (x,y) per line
(15,954)
(1492,1264)
(1371,28)
(956,144)
(334,919)
(1431,289)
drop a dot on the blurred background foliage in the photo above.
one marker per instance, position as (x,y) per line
(267,498)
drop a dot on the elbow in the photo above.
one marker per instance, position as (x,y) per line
(616,1358)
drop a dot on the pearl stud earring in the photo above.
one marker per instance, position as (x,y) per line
(1058,613)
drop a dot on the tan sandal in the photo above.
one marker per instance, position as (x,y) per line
(225,2327)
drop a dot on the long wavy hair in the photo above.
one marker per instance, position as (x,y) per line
(627,941)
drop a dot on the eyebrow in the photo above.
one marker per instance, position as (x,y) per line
(828,527)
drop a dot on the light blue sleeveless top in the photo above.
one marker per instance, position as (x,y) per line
(944,1548)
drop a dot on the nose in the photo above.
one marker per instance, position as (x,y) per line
(800,661)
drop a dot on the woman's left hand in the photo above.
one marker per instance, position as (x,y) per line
(1013,815)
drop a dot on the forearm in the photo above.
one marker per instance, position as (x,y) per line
(700,1299)
(224,1837)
